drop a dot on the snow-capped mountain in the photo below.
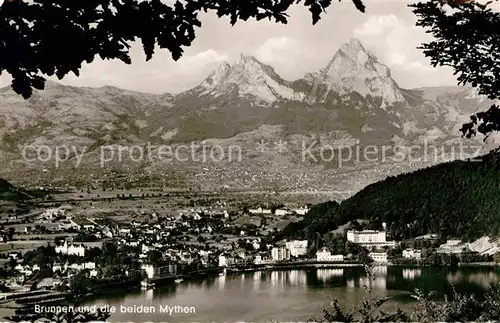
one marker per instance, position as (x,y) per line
(354,69)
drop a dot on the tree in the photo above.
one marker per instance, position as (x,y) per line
(368,310)
(496,257)
(61,317)
(10,234)
(468,40)
(155,256)
(55,37)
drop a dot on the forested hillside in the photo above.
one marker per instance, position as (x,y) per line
(9,192)
(456,199)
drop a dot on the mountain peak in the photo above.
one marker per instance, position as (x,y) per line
(249,77)
(355,69)
(353,44)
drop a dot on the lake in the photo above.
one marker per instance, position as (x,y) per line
(288,295)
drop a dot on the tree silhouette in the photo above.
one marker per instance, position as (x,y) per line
(54,37)
(467,38)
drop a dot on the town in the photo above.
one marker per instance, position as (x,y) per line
(60,252)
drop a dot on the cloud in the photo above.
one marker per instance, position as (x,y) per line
(284,53)
(398,39)
(395,42)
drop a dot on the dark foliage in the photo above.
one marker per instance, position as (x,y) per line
(54,37)
(76,316)
(468,40)
(9,192)
(457,308)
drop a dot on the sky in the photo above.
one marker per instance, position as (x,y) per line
(387,29)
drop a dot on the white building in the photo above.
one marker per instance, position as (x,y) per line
(370,238)
(149,269)
(57,267)
(260,211)
(255,243)
(65,224)
(325,255)
(412,254)
(71,249)
(224,260)
(380,257)
(297,247)
(89,265)
(281,212)
(280,253)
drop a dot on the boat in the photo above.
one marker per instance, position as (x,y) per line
(147,285)
(180,280)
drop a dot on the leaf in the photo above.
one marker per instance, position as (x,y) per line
(38,82)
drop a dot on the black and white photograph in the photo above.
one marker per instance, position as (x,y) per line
(259,161)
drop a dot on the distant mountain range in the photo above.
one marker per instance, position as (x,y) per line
(453,200)
(352,101)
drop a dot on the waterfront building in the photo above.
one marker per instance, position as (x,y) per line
(453,246)
(282,212)
(260,211)
(380,257)
(301,211)
(149,269)
(370,238)
(70,249)
(325,255)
